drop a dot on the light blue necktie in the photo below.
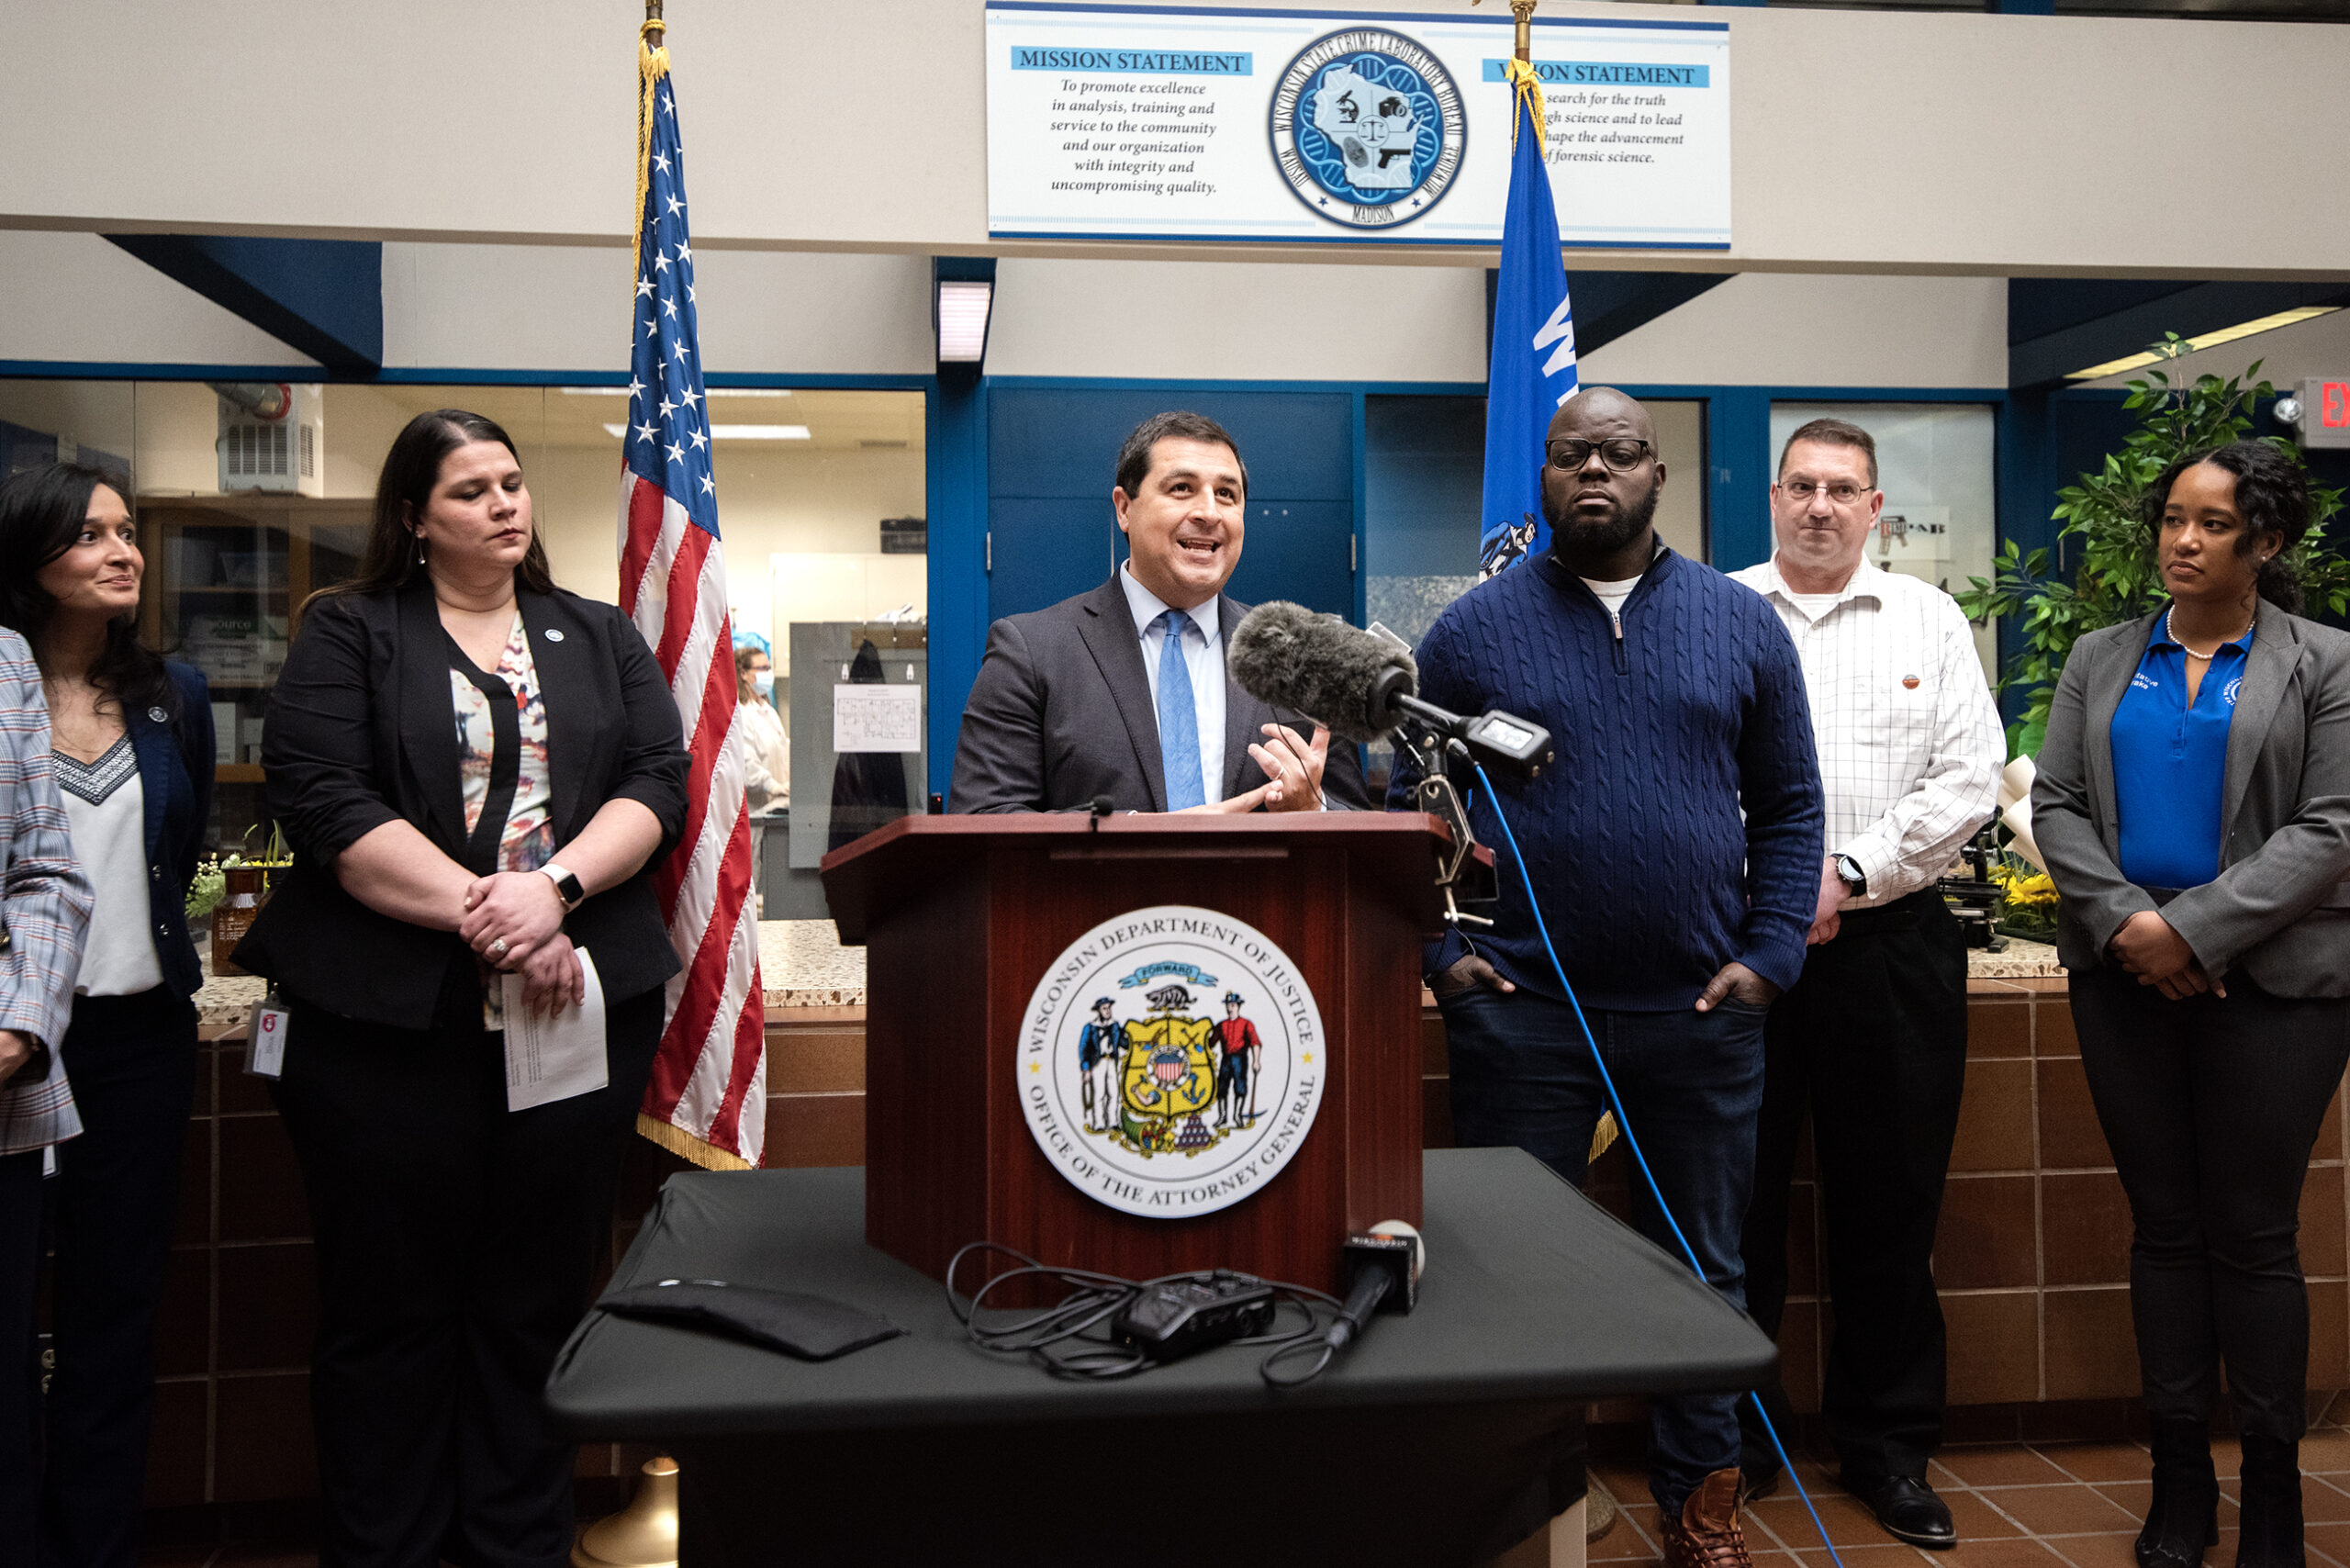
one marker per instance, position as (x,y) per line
(1178,718)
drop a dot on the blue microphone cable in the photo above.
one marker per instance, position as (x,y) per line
(1624,1123)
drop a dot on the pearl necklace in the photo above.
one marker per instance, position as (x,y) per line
(2172,632)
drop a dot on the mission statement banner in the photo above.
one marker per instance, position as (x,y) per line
(1173,123)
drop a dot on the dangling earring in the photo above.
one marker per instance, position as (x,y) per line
(420,549)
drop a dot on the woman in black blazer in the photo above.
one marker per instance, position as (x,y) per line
(132,750)
(2193,803)
(475,770)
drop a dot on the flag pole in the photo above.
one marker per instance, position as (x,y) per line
(1521,10)
(643,1534)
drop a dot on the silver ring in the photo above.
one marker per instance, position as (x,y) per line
(498,949)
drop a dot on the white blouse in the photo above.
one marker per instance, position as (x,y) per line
(105,805)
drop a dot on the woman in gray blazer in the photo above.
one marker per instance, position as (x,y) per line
(2193,803)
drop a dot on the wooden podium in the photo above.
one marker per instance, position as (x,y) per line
(961,915)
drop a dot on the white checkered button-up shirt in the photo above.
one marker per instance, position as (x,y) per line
(1911,744)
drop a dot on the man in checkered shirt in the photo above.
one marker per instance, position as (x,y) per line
(1872,1039)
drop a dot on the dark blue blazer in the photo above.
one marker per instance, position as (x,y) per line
(175,774)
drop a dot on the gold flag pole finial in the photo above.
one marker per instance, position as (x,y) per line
(1521,10)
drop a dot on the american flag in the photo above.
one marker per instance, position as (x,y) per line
(707,1099)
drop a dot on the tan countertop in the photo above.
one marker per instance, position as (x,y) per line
(802,964)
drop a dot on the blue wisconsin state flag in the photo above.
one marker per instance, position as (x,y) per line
(1532,368)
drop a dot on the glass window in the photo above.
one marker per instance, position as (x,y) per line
(1934,464)
(253,496)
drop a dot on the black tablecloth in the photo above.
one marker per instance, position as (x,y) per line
(1440,1437)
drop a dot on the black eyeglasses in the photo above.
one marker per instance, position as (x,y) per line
(1843,492)
(1623,453)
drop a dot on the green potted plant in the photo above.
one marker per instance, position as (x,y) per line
(2115,579)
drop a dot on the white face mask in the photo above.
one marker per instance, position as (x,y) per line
(762,682)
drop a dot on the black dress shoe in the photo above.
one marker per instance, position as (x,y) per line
(1908,1509)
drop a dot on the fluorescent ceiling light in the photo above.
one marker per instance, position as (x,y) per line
(963,321)
(713,392)
(736,433)
(2208,340)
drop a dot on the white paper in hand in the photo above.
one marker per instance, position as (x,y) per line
(550,1058)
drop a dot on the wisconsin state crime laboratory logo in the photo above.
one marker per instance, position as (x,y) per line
(1171,1060)
(1368,128)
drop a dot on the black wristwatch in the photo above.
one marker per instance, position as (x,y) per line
(1849,872)
(566,886)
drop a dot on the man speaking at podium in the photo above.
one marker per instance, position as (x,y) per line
(1122,692)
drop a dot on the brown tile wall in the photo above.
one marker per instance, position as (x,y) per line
(2033,1254)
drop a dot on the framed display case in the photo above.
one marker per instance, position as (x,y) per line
(227,576)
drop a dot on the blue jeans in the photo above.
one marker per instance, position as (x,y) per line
(1692,1084)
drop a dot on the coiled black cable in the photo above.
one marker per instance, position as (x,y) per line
(1071,1338)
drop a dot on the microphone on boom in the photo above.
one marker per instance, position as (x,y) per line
(1362,686)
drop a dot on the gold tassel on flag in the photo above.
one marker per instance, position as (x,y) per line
(652,65)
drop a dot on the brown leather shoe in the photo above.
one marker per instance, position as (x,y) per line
(1707,1535)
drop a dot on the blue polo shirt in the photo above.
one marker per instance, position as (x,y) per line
(2170,762)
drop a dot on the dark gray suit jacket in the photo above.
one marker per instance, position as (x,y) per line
(1061,712)
(2281,908)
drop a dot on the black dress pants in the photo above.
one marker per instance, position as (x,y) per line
(2210,1106)
(72,1468)
(456,1241)
(1872,1042)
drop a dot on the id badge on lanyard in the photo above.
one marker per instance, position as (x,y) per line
(266,1036)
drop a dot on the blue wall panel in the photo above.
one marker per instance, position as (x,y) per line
(1048,548)
(1052,460)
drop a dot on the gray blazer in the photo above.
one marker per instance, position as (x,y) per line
(2280,909)
(1061,712)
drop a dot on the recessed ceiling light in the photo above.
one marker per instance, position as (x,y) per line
(735,432)
(2212,339)
(712,392)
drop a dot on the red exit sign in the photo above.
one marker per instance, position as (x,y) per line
(2325,411)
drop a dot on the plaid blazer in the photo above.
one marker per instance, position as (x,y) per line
(45,900)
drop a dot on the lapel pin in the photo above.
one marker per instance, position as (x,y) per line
(159,715)
(1909,681)
(556,636)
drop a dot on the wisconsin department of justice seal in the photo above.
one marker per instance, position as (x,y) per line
(1171,1060)
(1368,128)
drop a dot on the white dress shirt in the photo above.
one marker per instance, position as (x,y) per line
(1909,739)
(1203,656)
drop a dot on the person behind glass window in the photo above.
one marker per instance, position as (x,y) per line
(2193,805)
(475,769)
(766,746)
(131,750)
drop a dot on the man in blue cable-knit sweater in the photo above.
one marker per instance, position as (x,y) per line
(1675,848)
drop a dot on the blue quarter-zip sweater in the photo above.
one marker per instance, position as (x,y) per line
(1681,827)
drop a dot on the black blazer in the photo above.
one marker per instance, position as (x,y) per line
(1061,712)
(363,731)
(175,755)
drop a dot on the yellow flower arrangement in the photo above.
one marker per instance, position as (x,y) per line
(2025,889)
